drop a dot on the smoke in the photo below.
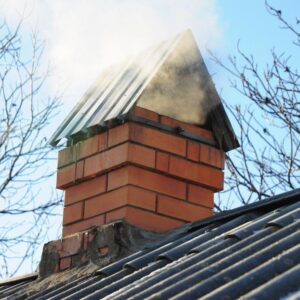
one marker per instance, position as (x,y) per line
(83,37)
(181,88)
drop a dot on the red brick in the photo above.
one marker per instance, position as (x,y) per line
(158,139)
(85,190)
(200,195)
(71,245)
(141,198)
(83,225)
(106,202)
(162,161)
(79,170)
(73,213)
(204,154)
(88,147)
(146,113)
(118,135)
(117,156)
(118,178)
(181,209)
(141,155)
(143,219)
(211,156)
(102,141)
(193,151)
(65,263)
(205,175)
(115,215)
(66,156)
(187,127)
(65,176)
(151,221)
(127,195)
(222,159)
(146,179)
(103,161)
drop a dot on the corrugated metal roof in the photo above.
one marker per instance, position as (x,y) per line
(13,285)
(170,79)
(117,89)
(251,252)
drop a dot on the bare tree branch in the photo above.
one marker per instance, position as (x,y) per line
(25,112)
(268,161)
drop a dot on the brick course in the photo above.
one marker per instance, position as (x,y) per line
(88,147)
(145,113)
(66,156)
(151,221)
(146,179)
(73,213)
(66,176)
(193,151)
(162,161)
(85,190)
(118,135)
(211,156)
(158,139)
(83,225)
(106,202)
(202,174)
(117,156)
(200,195)
(144,219)
(181,209)
(187,127)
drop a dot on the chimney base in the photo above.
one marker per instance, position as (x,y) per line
(99,246)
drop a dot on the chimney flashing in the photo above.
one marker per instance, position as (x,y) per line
(94,248)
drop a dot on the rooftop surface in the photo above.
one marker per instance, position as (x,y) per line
(251,252)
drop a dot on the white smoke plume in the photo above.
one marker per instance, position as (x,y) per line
(83,37)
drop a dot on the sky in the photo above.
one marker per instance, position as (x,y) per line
(83,37)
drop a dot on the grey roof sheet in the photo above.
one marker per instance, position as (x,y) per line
(251,252)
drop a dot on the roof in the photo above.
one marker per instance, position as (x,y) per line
(169,78)
(251,252)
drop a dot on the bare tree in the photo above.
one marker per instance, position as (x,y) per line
(268,161)
(25,111)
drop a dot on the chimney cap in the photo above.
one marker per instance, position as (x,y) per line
(170,79)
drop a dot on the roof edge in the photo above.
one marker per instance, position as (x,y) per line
(269,203)
(17,279)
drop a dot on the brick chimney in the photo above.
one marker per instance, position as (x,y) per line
(146,143)
(156,176)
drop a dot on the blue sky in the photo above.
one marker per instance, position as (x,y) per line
(83,37)
(257,31)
